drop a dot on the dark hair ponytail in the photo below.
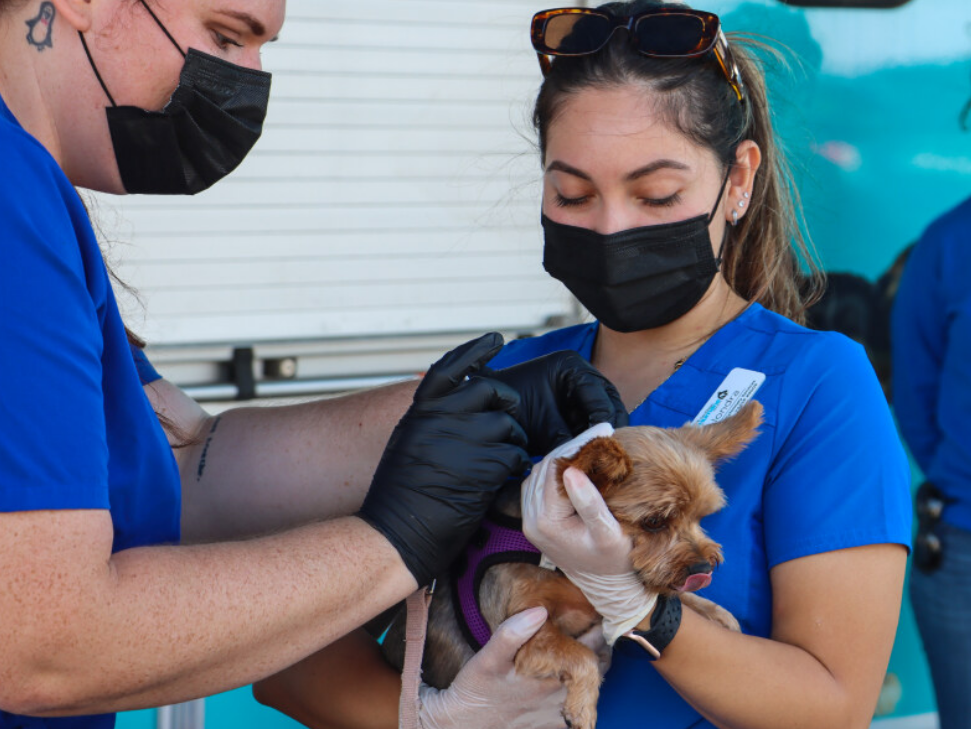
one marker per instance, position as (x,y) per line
(766,251)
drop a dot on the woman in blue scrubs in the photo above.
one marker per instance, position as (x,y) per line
(931,339)
(636,152)
(101,608)
(667,212)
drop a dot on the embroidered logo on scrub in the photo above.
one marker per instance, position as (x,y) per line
(738,388)
(40,28)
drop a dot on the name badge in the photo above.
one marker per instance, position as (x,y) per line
(737,389)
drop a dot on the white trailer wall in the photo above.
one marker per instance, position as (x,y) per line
(395,191)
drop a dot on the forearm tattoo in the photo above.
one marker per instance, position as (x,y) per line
(40,29)
(205,448)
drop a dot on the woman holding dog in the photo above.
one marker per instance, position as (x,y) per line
(667,212)
(100,611)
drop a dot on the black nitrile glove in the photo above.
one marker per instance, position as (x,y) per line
(446,459)
(561,395)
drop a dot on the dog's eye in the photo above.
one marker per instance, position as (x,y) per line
(654,523)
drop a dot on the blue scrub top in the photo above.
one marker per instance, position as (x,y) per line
(827,472)
(76,429)
(931,340)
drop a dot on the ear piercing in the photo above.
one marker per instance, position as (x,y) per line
(741,204)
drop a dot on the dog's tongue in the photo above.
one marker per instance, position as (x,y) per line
(695,582)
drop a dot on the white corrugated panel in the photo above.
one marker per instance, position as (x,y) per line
(395,190)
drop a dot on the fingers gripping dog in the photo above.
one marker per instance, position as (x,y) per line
(658,484)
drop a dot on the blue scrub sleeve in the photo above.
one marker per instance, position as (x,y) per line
(146,372)
(918,342)
(954,455)
(840,479)
(53,450)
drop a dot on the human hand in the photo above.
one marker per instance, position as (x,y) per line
(582,538)
(488,693)
(561,395)
(448,456)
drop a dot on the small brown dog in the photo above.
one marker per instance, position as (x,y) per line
(658,483)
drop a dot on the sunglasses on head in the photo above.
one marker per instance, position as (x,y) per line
(656,33)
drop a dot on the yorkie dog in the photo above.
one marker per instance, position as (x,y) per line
(659,483)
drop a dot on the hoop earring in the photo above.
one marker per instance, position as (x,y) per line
(734,218)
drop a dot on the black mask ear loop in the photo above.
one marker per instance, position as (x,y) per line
(714,211)
(84,44)
(94,66)
(164,29)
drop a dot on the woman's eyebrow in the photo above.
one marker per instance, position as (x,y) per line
(256,27)
(661,164)
(558,166)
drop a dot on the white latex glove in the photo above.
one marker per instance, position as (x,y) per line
(487,693)
(580,536)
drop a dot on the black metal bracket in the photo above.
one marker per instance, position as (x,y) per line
(241,372)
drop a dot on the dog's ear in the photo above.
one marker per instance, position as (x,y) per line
(603,459)
(727,438)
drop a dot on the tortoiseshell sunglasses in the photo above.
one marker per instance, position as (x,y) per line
(657,33)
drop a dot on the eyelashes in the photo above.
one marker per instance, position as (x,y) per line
(573,202)
(570,202)
(666,202)
(225,42)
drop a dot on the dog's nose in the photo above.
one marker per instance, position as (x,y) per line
(700,568)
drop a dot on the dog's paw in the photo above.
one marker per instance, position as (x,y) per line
(582,694)
(580,717)
(706,608)
(724,618)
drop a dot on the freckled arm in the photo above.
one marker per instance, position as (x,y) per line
(254,470)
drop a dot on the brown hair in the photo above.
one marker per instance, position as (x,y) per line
(179,436)
(764,254)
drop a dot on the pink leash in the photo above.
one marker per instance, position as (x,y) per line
(416,626)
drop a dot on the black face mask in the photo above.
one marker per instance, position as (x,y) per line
(636,279)
(209,125)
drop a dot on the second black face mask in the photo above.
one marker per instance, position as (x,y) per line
(210,124)
(637,279)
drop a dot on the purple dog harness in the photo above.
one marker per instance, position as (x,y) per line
(500,540)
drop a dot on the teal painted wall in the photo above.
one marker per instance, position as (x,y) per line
(869,115)
(232,710)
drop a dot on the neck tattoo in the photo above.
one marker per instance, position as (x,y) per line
(40,28)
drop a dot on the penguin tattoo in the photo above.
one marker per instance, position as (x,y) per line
(40,28)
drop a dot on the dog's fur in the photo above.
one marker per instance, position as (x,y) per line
(659,483)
